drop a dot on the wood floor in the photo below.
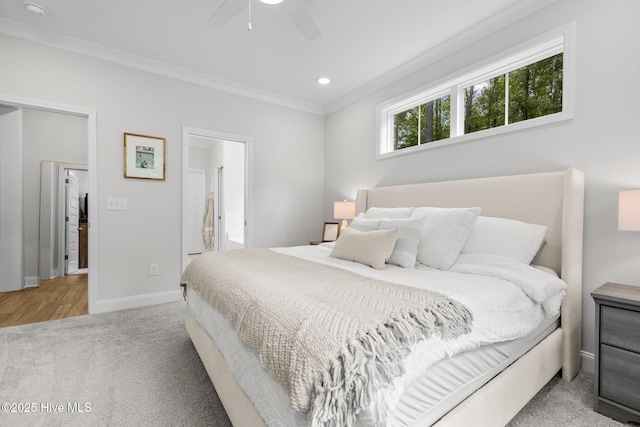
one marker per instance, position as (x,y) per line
(54,299)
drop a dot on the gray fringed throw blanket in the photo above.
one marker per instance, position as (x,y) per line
(329,336)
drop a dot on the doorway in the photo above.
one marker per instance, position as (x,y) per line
(225,159)
(64,221)
(28,261)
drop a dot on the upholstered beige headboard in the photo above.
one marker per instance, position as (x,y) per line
(554,199)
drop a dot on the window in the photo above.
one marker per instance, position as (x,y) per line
(422,124)
(534,90)
(523,88)
(484,105)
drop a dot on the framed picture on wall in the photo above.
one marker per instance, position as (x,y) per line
(144,156)
(330,231)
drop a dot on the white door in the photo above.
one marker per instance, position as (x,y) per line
(233,195)
(195,210)
(72,216)
(219,218)
(11,267)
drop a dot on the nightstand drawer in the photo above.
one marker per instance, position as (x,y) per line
(620,376)
(620,328)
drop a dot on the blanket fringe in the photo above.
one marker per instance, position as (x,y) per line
(371,360)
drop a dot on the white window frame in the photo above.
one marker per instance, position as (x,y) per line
(560,40)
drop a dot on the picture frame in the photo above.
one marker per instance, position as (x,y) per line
(330,231)
(144,156)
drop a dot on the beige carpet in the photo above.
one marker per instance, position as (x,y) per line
(133,368)
(138,368)
(565,404)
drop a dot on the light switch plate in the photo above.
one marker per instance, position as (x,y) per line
(154,269)
(116,204)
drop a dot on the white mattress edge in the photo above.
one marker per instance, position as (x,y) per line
(273,413)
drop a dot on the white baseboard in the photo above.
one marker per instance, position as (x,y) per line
(31,282)
(137,301)
(587,361)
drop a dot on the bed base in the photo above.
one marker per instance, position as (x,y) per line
(506,394)
(236,403)
(509,392)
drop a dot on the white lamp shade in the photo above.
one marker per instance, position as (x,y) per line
(344,210)
(629,210)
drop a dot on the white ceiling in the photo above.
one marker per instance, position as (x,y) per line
(364,43)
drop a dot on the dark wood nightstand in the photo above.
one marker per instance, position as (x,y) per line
(616,380)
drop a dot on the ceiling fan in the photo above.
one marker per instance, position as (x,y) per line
(296,10)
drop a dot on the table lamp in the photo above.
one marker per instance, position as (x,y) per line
(629,210)
(344,211)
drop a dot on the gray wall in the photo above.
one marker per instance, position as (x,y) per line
(11,264)
(199,159)
(287,201)
(602,139)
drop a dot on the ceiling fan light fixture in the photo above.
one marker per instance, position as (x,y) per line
(34,8)
(324,80)
(271,1)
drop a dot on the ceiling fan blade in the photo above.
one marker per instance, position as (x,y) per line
(300,17)
(226,11)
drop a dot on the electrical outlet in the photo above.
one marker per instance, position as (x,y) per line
(116,204)
(154,269)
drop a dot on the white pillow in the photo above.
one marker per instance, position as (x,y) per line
(390,213)
(410,233)
(445,233)
(365,224)
(372,248)
(507,237)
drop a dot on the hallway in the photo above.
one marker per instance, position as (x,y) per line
(55,299)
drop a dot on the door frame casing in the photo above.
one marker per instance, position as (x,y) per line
(219,210)
(92,164)
(188,131)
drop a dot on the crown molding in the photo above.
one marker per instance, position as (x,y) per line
(482,29)
(493,24)
(50,38)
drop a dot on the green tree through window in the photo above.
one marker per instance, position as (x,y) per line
(536,90)
(422,124)
(406,128)
(533,91)
(484,105)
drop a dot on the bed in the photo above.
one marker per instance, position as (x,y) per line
(554,200)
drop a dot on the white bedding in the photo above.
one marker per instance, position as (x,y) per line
(505,297)
(502,311)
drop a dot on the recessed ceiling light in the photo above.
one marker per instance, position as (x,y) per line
(271,1)
(324,80)
(34,8)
